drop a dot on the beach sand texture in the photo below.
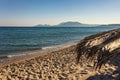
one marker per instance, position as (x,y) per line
(57,65)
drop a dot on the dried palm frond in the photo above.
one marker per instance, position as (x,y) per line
(101,46)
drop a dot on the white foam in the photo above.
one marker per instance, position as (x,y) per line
(44,49)
(10,56)
(60,46)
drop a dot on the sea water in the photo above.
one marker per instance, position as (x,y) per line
(16,40)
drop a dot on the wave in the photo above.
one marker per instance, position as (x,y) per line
(10,56)
(19,50)
(60,46)
(35,51)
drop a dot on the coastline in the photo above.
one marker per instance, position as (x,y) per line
(13,58)
(56,64)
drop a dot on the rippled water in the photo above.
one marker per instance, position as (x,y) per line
(20,39)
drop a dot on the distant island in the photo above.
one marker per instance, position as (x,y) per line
(42,25)
(76,24)
(72,24)
(109,25)
(66,24)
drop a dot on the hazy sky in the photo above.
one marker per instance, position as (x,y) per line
(32,12)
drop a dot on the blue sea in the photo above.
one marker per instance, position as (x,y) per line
(16,40)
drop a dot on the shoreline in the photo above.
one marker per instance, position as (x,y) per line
(59,64)
(9,59)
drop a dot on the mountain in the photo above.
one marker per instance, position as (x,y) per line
(109,25)
(113,24)
(42,25)
(71,24)
(75,24)
(67,24)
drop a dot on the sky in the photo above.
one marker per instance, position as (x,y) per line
(33,12)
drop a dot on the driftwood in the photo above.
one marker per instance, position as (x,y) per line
(100,47)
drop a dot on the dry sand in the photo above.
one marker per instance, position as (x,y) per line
(58,65)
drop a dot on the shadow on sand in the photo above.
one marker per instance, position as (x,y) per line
(114,76)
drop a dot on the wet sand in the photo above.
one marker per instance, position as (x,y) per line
(57,65)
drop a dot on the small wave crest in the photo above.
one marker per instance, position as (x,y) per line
(36,51)
(59,46)
(10,56)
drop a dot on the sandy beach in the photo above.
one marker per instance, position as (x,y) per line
(59,39)
(57,65)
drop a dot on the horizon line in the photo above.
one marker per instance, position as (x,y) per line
(56,24)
